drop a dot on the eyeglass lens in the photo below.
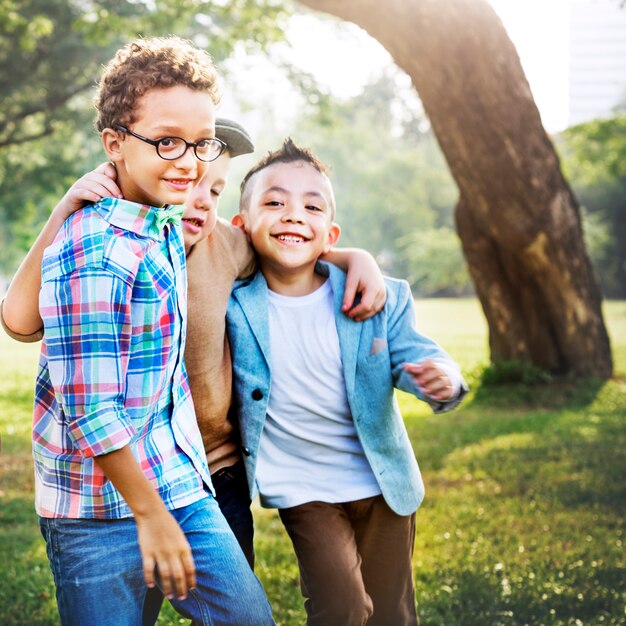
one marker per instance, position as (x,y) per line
(174,147)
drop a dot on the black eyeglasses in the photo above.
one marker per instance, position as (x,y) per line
(172,148)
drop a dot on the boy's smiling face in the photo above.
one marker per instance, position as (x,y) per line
(145,177)
(288,218)
(200,214)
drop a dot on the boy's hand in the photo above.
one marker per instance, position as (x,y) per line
(365,278)
(373,298)
(431,379)
(91,187)
(163,545)
(166,552)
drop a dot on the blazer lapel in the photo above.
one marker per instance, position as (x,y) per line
(348,330)
(254,303)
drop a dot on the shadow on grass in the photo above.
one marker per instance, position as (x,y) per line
(579,461)
(559,394)
(535,488)
(476,598)
(497,411)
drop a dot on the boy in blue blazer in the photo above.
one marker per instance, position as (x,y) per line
(322,437)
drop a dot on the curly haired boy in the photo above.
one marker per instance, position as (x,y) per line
(123,491)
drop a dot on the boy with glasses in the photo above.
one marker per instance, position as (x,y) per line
(122,486)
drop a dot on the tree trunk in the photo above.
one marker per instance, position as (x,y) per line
(517,217)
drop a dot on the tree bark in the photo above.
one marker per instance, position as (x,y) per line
(517,218)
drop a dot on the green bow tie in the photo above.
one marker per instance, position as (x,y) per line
(168,215)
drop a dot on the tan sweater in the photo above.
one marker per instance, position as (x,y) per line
(212,266)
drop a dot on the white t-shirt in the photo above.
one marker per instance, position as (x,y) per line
(309,449)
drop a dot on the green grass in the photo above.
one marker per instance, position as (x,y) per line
(523,521)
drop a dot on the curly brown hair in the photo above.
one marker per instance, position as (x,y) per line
(151,63)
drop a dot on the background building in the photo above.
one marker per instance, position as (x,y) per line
(597,68)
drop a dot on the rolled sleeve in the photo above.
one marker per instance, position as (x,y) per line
(407,345)
(102,431)
(87,325)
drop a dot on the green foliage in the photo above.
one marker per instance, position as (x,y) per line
(514,372)
(594,160)
(44,62)
(51,52)
(435,262)
(34,177)
(597,150)
(62,44)
(523,521)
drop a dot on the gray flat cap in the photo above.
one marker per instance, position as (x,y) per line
(234,136)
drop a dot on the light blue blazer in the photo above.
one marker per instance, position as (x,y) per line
(372,353)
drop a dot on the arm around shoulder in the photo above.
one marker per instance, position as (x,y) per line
(20,306)
(20,309)
(363,278)
(31,338)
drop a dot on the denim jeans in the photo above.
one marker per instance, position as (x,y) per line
(98,574)
(233,497)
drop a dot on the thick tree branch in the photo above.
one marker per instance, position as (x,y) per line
(518,218)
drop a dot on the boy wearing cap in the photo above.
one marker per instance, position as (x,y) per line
(314,395)
(216,256)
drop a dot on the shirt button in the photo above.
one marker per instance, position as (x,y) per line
(245,450)
(257,394)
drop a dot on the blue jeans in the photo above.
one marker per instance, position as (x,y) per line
(233,497)
(98,574)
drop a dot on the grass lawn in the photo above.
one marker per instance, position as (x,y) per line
(523,521)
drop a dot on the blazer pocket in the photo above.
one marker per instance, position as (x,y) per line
(377,366)
(379,345)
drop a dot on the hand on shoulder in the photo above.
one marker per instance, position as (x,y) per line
(91,187)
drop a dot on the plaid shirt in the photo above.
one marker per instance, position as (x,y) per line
(113,302)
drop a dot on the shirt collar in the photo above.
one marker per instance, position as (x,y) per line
(131,216)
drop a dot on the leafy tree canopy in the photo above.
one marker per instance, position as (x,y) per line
(596,151)
(52,50)
(594,159)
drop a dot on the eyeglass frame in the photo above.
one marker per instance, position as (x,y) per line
(157,142)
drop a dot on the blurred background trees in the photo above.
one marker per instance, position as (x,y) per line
(594,159)
(395,193)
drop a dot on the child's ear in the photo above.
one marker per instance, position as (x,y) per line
(239,221)
(333,236)
(112,144)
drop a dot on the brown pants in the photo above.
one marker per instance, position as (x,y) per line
(355,562)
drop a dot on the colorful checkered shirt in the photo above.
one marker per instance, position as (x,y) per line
(111,374)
